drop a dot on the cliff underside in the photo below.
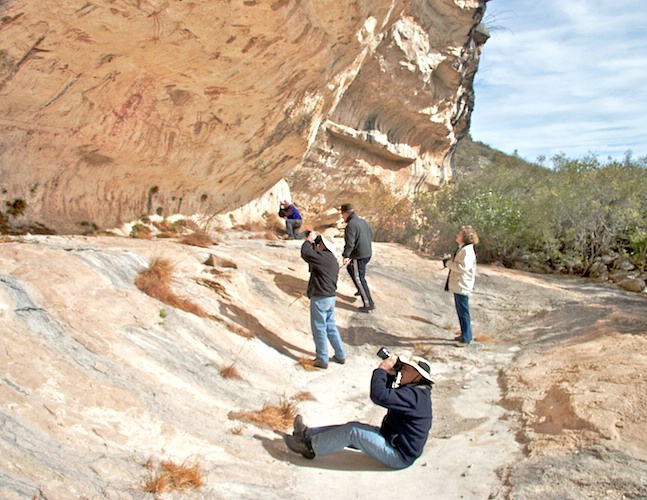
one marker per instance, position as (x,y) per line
(114,109)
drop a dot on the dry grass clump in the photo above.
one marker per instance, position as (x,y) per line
(141,231)
(230,372)
(155,281)
(423,350)
(171,477)
(278,418)
(483,338)
(168,229)
(307,364)
(276,224)
(252,227)
(186,225)
(198,239)
(305,396)
(237,430)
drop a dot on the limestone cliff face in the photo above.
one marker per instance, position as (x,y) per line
(117,108)
(399,121)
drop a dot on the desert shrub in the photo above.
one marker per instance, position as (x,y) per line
(16,207)
(170,477)
(307,364)
(230,371)
(141,231)
(186,224)
(167,229)
(566,217)
(198,239)
(276,417)
(391,222)
(155,282)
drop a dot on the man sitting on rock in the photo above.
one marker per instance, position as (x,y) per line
(402,436)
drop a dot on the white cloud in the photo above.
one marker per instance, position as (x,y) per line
(563,77)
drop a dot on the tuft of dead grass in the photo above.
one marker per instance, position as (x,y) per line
(307,364)
(484,338)
(424,350)
(252,227)
(172,477)
(198,239)
(278,418)
(305,396)
(230,372)
(141,231)
(155,282)
(237,430)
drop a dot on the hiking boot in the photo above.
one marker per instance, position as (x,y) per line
(458,338)
(341,361)
(366,309)
(299,446)
(320,364)
(461,344)
(299,428)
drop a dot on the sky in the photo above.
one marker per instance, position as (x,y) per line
(563,76)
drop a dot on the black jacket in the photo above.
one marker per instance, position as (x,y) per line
(358,236)
(408,419)
(324,271)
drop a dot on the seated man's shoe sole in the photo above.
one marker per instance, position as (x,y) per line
(299,428)
(299,446)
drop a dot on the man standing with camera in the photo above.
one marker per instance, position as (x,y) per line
(319,252)
(400,440)
(357,253)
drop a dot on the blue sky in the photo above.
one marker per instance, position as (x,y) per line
(563,76)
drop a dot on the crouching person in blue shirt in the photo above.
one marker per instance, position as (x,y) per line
(400,440)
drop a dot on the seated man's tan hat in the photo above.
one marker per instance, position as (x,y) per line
(421,365)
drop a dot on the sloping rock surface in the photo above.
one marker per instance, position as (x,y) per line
(99,380)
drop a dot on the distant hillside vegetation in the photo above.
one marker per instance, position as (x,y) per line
(471,157)
(579,216)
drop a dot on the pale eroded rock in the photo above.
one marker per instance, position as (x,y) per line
(109,111)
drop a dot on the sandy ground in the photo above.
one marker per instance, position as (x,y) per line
(548,402)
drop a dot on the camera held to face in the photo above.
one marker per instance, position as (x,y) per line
(384,353)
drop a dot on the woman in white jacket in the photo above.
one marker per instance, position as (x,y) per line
(460,281)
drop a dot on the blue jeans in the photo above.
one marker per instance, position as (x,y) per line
(324,329)
(357,270)
(332,438)
(463,310)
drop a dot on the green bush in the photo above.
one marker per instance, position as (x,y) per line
(565,217)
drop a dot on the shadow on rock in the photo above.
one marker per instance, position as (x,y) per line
(351,460)
(294,287)
(247,320)
(361,335)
